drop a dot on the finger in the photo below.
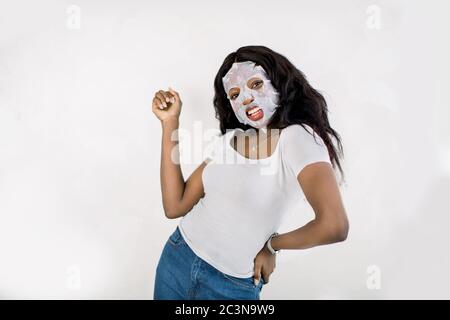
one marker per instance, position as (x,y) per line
(171,97)
(157,103)
(166,97)
(257,275)
(177,96)
(161,98)
(265,277)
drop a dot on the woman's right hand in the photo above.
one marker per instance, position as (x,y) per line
(167,105)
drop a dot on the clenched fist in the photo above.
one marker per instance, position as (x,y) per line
(166,104)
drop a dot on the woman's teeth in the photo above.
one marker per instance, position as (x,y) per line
(255,114)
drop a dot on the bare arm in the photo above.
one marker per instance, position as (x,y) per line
(178,196)
(330,224)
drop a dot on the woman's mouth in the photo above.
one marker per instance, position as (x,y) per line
(254,113)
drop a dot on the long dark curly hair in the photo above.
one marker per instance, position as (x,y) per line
(300,102)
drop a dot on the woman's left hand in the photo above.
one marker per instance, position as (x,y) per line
(264,265)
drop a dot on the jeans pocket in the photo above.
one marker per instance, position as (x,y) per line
(243,282)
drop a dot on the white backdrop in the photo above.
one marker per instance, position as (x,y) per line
(80,203)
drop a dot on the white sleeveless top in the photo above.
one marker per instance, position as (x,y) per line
(246,199)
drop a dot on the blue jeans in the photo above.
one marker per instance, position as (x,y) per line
(182,275)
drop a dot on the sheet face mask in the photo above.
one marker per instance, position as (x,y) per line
(265,97)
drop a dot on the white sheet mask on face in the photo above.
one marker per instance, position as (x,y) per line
(265,97)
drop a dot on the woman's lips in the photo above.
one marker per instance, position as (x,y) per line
(254,113)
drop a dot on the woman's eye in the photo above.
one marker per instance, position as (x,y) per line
(257,83)
(234,96)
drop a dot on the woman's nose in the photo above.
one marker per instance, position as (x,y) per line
(248,100)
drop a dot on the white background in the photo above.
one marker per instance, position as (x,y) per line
(80,202)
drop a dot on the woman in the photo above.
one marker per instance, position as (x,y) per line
(276,126)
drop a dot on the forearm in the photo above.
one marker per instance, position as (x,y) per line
(312,234)
(172,181)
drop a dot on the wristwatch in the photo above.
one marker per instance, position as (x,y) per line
(269,243)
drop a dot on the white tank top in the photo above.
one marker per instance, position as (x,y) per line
(246,199)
